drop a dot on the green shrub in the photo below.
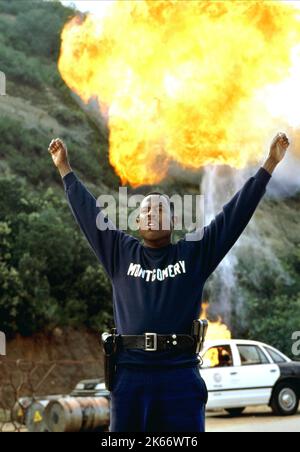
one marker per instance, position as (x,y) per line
(48,274)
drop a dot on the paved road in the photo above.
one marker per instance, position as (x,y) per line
(258,419)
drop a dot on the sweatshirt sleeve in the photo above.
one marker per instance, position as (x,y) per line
(225,229)
(104,243)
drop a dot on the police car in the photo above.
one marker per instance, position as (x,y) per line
(240,373)
(90,388)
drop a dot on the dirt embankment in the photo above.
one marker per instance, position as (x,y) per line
(49,363)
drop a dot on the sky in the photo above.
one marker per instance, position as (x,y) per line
(94,6)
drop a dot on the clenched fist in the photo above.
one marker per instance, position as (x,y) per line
(279,147)
(277,152)
(59,153)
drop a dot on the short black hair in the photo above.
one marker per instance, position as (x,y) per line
(166,196)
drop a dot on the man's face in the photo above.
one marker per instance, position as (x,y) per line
(155,218)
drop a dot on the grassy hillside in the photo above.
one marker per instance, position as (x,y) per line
(38,105)
(48,275)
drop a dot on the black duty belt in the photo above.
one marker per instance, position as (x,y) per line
(157,342)
(113,342)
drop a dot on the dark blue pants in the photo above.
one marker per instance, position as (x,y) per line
(158,400)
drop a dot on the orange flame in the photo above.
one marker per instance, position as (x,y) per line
(216,330)
(183,80)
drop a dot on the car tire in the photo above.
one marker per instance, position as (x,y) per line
(235,412)
(285,401)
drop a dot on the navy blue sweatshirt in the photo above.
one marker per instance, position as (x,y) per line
(160,290)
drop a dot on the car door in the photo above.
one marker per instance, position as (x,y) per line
(256,373)
(221,376)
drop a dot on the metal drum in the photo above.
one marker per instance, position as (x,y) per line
(95,412)
(35,421)
(20,408)
(74,414)
(64,415)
